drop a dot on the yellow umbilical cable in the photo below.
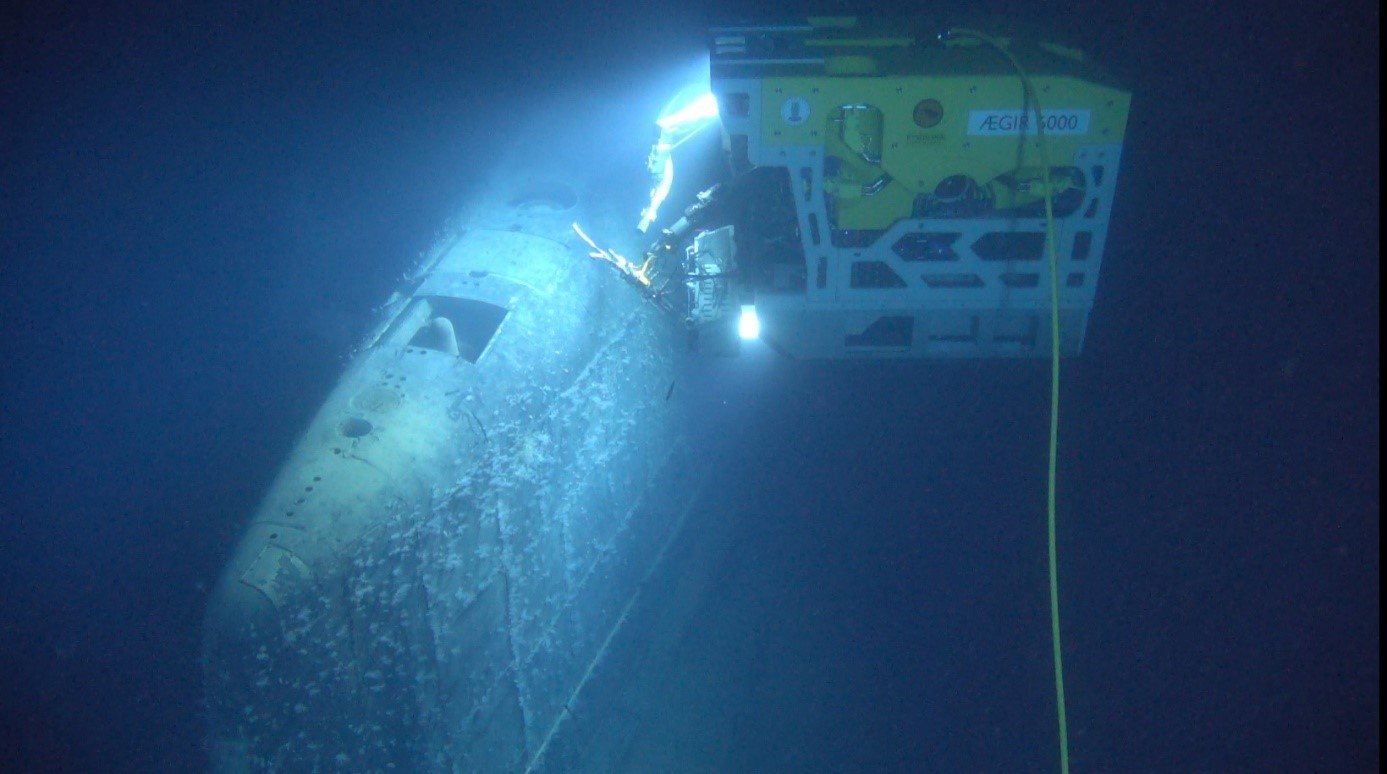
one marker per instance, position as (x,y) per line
(1051,475)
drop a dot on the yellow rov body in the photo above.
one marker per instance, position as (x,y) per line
(915,168)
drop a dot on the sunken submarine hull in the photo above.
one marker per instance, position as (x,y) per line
(441,561)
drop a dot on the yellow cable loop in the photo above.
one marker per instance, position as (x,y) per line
(1032,101)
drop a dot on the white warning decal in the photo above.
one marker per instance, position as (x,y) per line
(1000,123)
(795,110)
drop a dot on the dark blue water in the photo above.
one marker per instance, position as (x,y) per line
(200,206)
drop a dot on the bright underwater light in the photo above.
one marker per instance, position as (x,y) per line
(700,108)
(663,181)
(749,325)
(691,110)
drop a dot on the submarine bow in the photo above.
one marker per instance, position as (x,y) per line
(435,571)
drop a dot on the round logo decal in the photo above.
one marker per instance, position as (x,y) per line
(795,110)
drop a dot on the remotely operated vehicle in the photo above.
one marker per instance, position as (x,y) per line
(885,195)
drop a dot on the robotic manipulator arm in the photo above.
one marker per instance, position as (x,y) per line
(673,272)
(691,258)
(687,270)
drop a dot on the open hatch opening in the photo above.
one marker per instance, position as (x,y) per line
(461,327)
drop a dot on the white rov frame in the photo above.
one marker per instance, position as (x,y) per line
(964,305)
